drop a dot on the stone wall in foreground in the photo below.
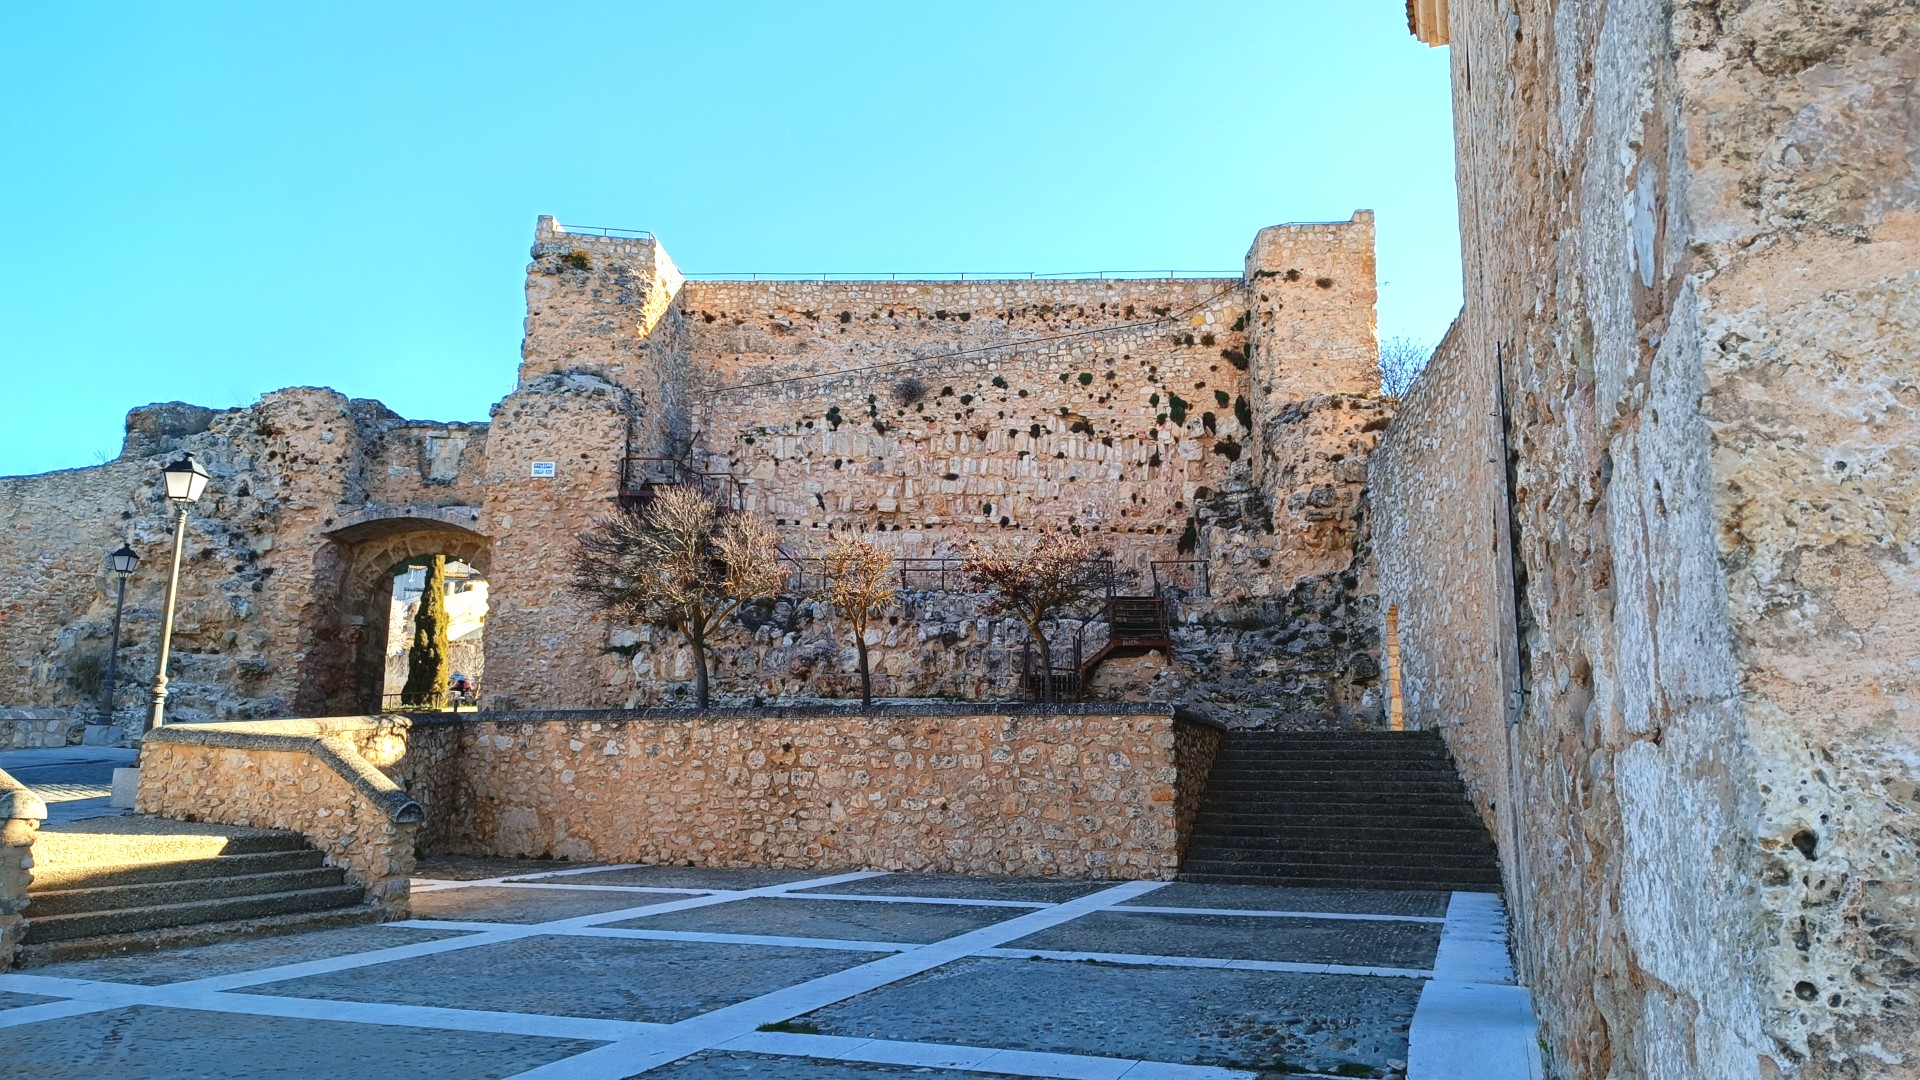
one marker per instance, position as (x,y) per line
(1692,243)
(1073,792)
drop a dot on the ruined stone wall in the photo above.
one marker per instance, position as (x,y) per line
(260,629)
(1690,266)
(1068,793)
(1118,415)
(1225,420)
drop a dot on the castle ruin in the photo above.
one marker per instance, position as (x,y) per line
(1212,431)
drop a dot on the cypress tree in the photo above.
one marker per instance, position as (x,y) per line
(427,663)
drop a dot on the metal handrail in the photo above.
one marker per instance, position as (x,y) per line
(723,487)
(973,275)
(602,230)
(449,702)
(1173,567)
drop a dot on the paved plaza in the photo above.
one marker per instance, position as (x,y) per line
(516,968)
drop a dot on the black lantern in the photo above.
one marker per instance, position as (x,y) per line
(124,561)
(186,479)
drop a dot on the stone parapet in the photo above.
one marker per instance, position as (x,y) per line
(21,813)
(307,776)
(24,729)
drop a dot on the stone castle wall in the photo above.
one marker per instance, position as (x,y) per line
(1690,247)
(263,628)
(1224,420)
(1219,419)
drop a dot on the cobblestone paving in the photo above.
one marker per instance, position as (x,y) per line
(551,970)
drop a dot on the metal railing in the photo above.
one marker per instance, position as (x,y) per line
(601,230)
(1181,577)
(451,702)
(639,475)
(975,275)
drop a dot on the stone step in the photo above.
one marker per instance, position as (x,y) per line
(226,909)
(1383,882)
(42,904)
(1377,839)
(51,878)
(1289,785)
(1340,740)
(1359,872)
(1408,755)
(1283,811)
(1382,830)
(1256,795)
(1199,855)
(35,954)
(1413,770)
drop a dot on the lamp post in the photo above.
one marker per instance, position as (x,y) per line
(186,479)
(123,562)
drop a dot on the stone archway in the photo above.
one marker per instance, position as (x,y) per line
(367,549)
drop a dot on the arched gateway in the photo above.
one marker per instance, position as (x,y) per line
(366,549)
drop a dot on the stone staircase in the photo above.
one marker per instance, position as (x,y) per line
(1355,810)
(106,886)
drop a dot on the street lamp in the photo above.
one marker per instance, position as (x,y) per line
(186,479)
(123,562)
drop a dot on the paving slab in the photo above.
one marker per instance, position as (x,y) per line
(1280,898)
(1244,937)
(601,978)
(956,886)
(245,954)
(721,1065)
(846,920)
(484,903)
(9,1000)
(478,867)
(707,878)
(1257,1020)
(148,1042)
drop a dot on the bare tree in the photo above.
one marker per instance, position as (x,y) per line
(1401,359)
(1035,583)
(859,584)
(680,562)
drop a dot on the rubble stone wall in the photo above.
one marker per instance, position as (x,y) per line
(305,483)
(1066,793)
(305,776)
(1689,233)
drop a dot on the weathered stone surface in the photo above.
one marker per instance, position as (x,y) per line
(1069,794)
(21,813)
(302,776)
(1684,379)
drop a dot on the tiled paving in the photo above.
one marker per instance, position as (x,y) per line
(546,970)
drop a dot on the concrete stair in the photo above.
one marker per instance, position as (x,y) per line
(107,886)
(1353,810)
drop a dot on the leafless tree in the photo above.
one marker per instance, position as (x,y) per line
(859,584)
(1035,582)
(1401,359)
(680,562)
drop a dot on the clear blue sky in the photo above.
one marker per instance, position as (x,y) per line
(209,201)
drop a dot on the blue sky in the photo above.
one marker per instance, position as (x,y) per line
(209,201)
